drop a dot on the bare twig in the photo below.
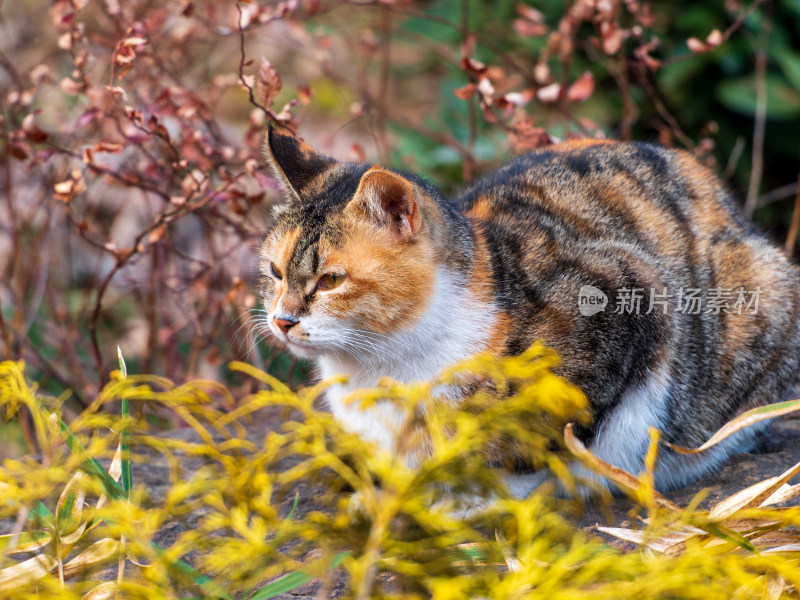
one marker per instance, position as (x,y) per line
(733,158)
(732,28)
(242,60)
(506,58)
(644,79)
(790,189)
(4,333)
(759,127)
(383,82)
(791,238)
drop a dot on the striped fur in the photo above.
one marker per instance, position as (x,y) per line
(427,281)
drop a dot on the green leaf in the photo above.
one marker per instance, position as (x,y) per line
(739,95)
(115,491)
(127,477)
(209,586)
(790,64)
(292,580)
(42,515)
(90,465)
(26,541)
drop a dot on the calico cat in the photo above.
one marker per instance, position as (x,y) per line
(629,259)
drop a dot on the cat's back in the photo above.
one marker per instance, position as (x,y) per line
(636,221)
(633,191)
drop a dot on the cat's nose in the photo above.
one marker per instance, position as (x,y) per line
(285,324)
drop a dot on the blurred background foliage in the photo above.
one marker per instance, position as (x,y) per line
(133,190)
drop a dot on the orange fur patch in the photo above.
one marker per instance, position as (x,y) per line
(285,247)
(481,209)
(481,284)
(388,283)
(571,145)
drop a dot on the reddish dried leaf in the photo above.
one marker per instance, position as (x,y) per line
(17,151)
(529,13)
(466,92)
(582,88)
(134,41)
(714,38)
(468,45)
(471,65)
(520,98)
(157,234)
(40,73)
(549,93)
(527,29)
(526,136)
(304,94)
(696,46)
(70,86)
(358,153)
(269,82)
(612,41)
(110,147)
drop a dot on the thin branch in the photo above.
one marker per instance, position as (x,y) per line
(522,70)
(468,170)
(242,61)
(791,238)
(759,127)
(644,78)
(733,28)
(790,189)
(383,81)
(4,333)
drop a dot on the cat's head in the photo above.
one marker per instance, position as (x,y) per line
(353,249)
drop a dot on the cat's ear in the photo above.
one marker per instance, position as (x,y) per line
(390,200)
(294,162)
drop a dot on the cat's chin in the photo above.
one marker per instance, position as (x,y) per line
(302,349)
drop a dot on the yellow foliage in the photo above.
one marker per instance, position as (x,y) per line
(383,520)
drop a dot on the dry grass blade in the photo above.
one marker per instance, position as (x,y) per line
(778,539)
(782,549)
(74,537)
(671,543)
(751,417)
(24,574)
(619,476)
(773,587)
(623,533)
(512,562)
(752,496)
(115,471)
(104,591)
(101,552)
(783,494)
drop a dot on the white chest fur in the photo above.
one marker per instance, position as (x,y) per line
(454,326)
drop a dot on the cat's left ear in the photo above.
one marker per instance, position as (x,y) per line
(294,162)
(390,200)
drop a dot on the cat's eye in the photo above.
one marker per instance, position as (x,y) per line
(275,273)
(330,281)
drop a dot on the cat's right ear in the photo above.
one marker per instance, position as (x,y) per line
(294,162)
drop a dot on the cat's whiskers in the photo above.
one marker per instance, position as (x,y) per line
(357,353)
(244,330)
(252,319)
(379,350)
